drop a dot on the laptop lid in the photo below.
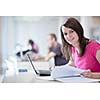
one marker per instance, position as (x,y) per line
(37,72)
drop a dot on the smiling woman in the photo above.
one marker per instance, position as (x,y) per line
(83,52)
(74,32)
(70,36)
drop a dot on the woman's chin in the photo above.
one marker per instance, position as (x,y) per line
(70,43)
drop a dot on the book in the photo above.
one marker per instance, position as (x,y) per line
(66,71)
(80,79)
(70,74)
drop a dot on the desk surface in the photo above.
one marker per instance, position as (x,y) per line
(30,77)
(26,77)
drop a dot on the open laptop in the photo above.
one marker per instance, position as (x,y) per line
(39,72)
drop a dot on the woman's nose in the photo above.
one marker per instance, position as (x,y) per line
(69,35)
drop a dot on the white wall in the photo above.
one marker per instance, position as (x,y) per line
(36,30)
(86,22)
(15,31)
(8,36)
(19,31)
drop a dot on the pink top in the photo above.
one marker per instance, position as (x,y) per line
(35,47)
(88,60)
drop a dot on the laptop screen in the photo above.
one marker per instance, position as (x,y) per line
(32,64)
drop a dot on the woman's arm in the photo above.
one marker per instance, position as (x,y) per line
(89,74)
(95,75)
(71,61)
(98,56)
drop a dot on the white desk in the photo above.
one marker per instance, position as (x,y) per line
(26,77)
(29,77)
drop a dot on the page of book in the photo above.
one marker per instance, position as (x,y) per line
(78,80)
(66,71)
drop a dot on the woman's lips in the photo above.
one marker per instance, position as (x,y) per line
(70,40)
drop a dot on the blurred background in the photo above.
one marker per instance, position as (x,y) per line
(15,31)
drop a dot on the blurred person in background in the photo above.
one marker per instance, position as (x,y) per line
(32,47)
(54,51)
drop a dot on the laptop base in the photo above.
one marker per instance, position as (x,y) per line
(44,73)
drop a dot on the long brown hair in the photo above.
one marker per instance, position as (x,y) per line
(77,27)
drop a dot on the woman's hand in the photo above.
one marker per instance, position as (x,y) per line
(87,74)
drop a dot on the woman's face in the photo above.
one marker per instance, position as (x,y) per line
(70,35)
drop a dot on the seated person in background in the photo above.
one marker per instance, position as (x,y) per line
(54,50)
(82,52)
(33,47)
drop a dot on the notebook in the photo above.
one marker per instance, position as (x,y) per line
(69,74)
(66,71)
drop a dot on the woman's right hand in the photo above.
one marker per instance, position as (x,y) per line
(87,74)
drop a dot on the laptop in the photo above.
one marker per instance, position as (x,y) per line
(39,72)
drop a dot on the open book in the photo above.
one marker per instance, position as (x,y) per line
(66,71)
(70,74)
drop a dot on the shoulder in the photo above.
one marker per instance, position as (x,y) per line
(55,48)
(58,45)
(93,43)
(93,46)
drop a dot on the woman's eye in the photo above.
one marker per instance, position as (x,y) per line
(65,33)
(72,31)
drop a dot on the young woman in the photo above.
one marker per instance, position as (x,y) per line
(82,52)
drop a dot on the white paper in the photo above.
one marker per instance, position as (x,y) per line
(78,80)
(69,74)
(65,71)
